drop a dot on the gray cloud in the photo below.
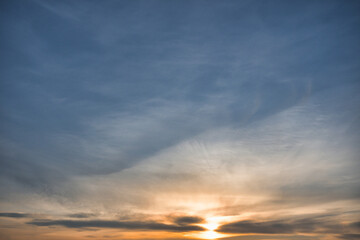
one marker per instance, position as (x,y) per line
(272,237)
(274,227)
(215,70)
(326,223)
(130,225)
(188,220)
(15,215)
(355,225)
(350,236)
(81,215)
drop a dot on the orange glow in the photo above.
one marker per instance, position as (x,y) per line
(210,235)
(210,226)
(212,223)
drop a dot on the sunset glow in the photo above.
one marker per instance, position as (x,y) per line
(210,235)
(211,225)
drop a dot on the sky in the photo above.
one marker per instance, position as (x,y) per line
(179,120)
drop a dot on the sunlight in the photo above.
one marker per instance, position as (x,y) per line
(210,235)
(211,225)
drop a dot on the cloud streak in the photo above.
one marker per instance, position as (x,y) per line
(129,225)
(327,223)
(15,215)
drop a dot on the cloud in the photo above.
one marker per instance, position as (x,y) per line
(273,227)
(188,220)
(272,237)
(350,236)
(326,223)
(81,215)
(14,215)
(356,225)
(130,225)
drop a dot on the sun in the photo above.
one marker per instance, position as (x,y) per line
(211,225)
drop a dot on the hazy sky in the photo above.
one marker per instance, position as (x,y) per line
(169,119)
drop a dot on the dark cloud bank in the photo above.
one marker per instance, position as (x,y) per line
(131,225)
(180,224)
(14,215)
(188,220)
(316,224)
(287,226)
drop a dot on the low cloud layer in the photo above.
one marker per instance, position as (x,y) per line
(129,225)
(188,220)
(81,215)
(320,224)
(15,215)
(350,236)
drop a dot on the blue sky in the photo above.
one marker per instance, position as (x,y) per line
(102,99)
